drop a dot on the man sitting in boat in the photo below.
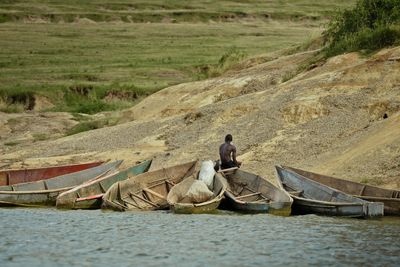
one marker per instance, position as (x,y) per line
(227,153)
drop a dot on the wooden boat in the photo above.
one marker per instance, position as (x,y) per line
(45,192)
(147,191)
(390,198)
(178,205)
(312,197)
(88,195)
(17,176)
(250,193)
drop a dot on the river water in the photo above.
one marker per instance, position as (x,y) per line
(49,237)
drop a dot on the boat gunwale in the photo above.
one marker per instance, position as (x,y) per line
(321,187)
(234,198)
(106,176)
(55,166)
(45,191)
(378,198)
(329,203)
(297,170)
(35,191)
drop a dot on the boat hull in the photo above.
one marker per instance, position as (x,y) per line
(219,185)
(390,198)
(30,199)
(320,199)
(91,204)
(11,177)
(89,195)
(146,191)
(263,196)
(356,210)
(275,208)
(194,209)
(391,205)
(45,192)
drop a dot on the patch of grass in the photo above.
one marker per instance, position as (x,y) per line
(80,117)
(365,181)
(39,137)
(227,61)
(12,121)
(366,41)
(311,63)
(369,26)
(12,108)
(85,126)
(289,75)
(12,143)
(88,124)
(16,100)
(157,11)
(134,57)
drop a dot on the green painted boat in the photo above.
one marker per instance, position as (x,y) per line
(178,205)
(89,195)
(45,192)
(147,191)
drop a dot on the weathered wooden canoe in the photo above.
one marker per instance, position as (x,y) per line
(17,176)
(178,206)
(250,193)
(147,191)
(89,195)
(390,198)
(44,192)
(312,197)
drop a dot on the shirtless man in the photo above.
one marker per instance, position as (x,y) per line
(227,153)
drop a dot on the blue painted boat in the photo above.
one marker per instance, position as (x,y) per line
(311,197)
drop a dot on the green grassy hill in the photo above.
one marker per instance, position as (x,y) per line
(90,56)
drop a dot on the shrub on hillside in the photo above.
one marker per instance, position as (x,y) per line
(371,25)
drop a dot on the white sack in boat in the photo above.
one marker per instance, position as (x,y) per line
(198,192)
(207,173)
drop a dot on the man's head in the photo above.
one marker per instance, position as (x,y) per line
(228,138)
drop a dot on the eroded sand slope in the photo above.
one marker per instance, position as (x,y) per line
(340,118)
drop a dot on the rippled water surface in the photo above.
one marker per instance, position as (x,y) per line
(48,237)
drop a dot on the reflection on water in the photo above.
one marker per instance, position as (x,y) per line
(48,237)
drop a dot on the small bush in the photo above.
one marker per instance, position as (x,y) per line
(39,137)
(230,58)
(12,108)
(16,100)
(85,126)
(12,143)
(371,25)
(91,106)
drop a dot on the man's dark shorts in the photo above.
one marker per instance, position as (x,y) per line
(227,165)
